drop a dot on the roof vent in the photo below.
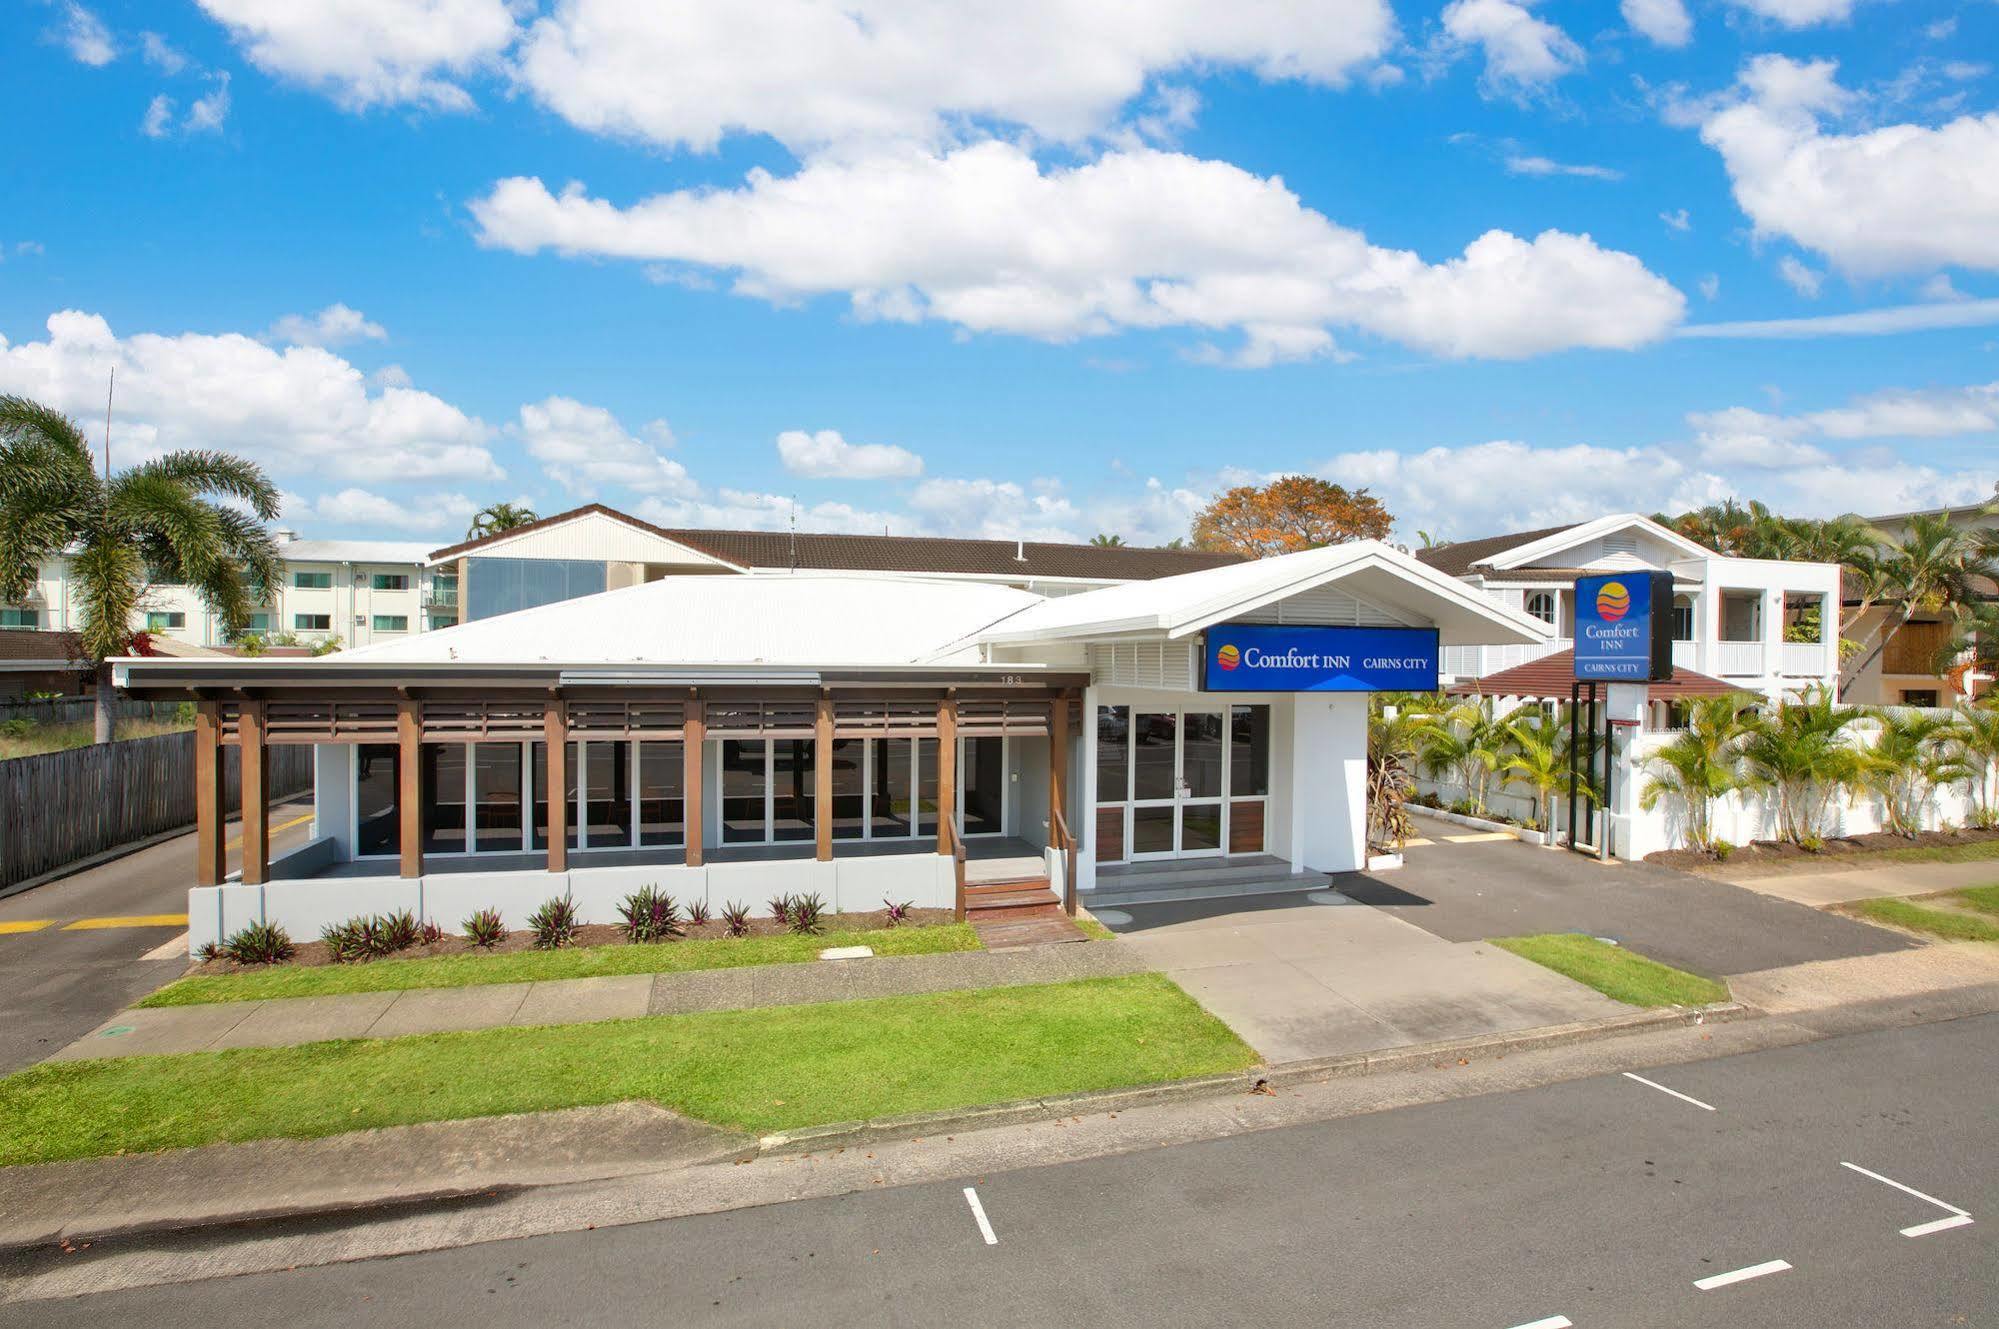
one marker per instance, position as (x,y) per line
(1020,551)
(283,536)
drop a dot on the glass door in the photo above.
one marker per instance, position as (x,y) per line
(1203,758)
(1155,783)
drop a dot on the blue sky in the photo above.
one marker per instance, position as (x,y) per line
(1015,269)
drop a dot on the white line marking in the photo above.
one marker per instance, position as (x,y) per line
(1906,1190)
(1552,1322)
(1714,1281)
(1707,1107)
(979,1212)
(1939,1225)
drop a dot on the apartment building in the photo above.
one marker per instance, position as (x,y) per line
(1904,669)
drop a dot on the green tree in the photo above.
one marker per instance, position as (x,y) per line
(1467,741)
(1800,754)
(1539,760)
(1913,755)
(1978,746)
(1701,764)
(1103,541)
(498,518)
(1394,742)
(181,516)
(1934,568)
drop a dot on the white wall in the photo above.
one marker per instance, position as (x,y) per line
(1328,831)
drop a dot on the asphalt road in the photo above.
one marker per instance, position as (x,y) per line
(57,982)
(1604,1201)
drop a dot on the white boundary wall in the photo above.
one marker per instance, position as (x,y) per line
(928,880)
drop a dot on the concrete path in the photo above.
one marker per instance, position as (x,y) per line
(1323,980)
(282,1023)
(1837,886)
(1803,987)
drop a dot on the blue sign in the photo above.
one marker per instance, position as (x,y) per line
(1243,657)
(1619,636)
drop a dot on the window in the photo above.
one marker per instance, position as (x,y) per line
(1919,696)
(982,777)
(312,581)
(20,618)
(377,826)
(445,805)
(662,793)
(496,773)
(607,794)
(503,585)
(165,620)
(538,769)
(889,774)
(392,622)
(1113,754)
(1249,751)
(389,581)
(1541,604)
(259,622)
(312,622)
(1683,618)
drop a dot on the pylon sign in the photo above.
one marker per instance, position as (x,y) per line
(1624,627)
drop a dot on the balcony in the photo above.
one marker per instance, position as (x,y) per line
(1805,659)
(440,597)
(1736,659)
(1684,655)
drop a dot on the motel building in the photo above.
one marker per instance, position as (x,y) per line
(865,737)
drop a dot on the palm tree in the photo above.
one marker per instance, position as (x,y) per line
(1103,541)
(175,518)
(1978,745)
(1539,760)
(499,517)
(1934,568)
(1913,755)
(1701,764)
(1468,741)
(1800,754)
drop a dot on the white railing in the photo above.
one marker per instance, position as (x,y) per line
(1684,655)
(1806,659)
(1735,658)
(1478,661)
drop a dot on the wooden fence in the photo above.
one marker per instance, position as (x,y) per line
(61,807)
(82,710)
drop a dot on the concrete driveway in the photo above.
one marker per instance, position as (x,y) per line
(1298,979)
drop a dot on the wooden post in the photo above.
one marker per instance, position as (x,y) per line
(211,855)
(409,794)
(947,769)
(822,779)
(555,737)
(694,736)
(1058,797)
(256,794)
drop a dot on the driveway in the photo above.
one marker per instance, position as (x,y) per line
(1298,979)
(1465,892)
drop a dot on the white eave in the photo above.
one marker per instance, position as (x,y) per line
(1569,538)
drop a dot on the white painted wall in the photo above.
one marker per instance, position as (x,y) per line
(1328,765)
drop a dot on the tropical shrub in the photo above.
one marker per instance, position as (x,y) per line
(207,951)
(780,909)
(736,919)
(431,934)
(357,939)
(1466,742)
(650,915)
(1701,764)
(697,912)
(1912,756)
(259,943)
(1800,754)
(484,929)
(1394,741)
(898,914)
(1978,744)
(554,924)
(806,914)
(400,931)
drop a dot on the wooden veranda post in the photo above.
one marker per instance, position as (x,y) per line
(254,765)
(211,854)
(409,780)
(947,769)
(694,735)
(555,738)
(822,780)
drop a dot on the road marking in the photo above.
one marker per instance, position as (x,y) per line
(8,929)
(1939,1225)
(1416,840)
(128,921)
(237,843)
(979,1212)
(1706,1107)
(1481,837)
(1714,1281)
(1552,1322)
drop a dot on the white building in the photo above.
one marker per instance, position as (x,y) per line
(1764,625)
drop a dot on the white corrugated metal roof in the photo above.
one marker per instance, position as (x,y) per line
(352,551)
(801,619)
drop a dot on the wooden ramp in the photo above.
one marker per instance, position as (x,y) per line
(1020,911)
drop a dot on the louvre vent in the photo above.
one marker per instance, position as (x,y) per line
(1165,665)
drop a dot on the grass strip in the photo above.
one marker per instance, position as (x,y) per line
(760,1070)
(1617,973)
(474,969)
(1985,899)
(1935,922)
(1942,853)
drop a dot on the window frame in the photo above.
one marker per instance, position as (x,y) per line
(300,584)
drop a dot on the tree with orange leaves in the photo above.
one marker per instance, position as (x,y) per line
(1291,513)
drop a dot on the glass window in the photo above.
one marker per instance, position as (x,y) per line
(259,623)
(745,781)
(503,585)
(850,787)
(793,788)
(444,803)
(165,620)
(1683,618)
(312,622)
(1541,604)
(607,794)
(20,618)
(1113,753)
(1201,754)
(984,781)
(1249,751)
(1152,830)
(538,771)
(392,622)
(926,786)
(377,827)
(889,809)
(389,581)
(1200,827)
(1152,773)
(497,775)
(312,581)
(662,793)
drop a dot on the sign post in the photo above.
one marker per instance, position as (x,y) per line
(1623,635)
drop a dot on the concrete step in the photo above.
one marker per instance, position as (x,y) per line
(1001,885)
(1133,876)
(1111,891)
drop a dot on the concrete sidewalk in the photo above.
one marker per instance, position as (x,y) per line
(1839,885)
(283,1023)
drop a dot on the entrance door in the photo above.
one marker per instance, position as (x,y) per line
(1177,760)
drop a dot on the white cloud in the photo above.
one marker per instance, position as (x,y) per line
(335,325)
(1865,323)
(1662,22)
(1915,413)
(161,54)
(984,238)
(158,120)
(1899,198)
(206,114)
(1798,13)
(434,514)
(584,449)
(1523,165)
(85,37)
(996,510)
(1710,286)
(1522,52)
(1805,280)
(1744,437)
(1940,287)
(825,455)
(809,73)
(747,510)
(367,53)
(1679,219)
(300,410)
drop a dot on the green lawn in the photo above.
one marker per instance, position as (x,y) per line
(473,969)
(1614,971)
(1985,899)
(761,1070)
(1936,922)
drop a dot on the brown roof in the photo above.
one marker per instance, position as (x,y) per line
(1461,556)
(1553,675)
(35,644)
(904,553)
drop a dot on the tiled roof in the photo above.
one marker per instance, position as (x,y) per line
(35,644)
(1553,675)
(1460,556)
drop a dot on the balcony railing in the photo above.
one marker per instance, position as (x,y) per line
(1733,659)
(1684,655)
(440,597)
(1805,659)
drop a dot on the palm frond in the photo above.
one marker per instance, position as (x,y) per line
(215,473)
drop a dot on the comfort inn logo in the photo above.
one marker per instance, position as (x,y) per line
(1613,601)
(1228,657)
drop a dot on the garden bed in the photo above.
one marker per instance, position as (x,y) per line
(1773,856)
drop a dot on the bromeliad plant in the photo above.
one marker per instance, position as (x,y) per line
(807,913)
(1702,764)
(736,919)
(484,929)
(650,915)
(780,909)
(1912,757)
(898,914)
(554,924)
(697,913)
(259,943)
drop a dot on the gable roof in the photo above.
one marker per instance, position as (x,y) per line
(1511,552)
(1460,556)
(824,552)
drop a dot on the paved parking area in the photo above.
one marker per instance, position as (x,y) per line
(1298,979)
(1466,892)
